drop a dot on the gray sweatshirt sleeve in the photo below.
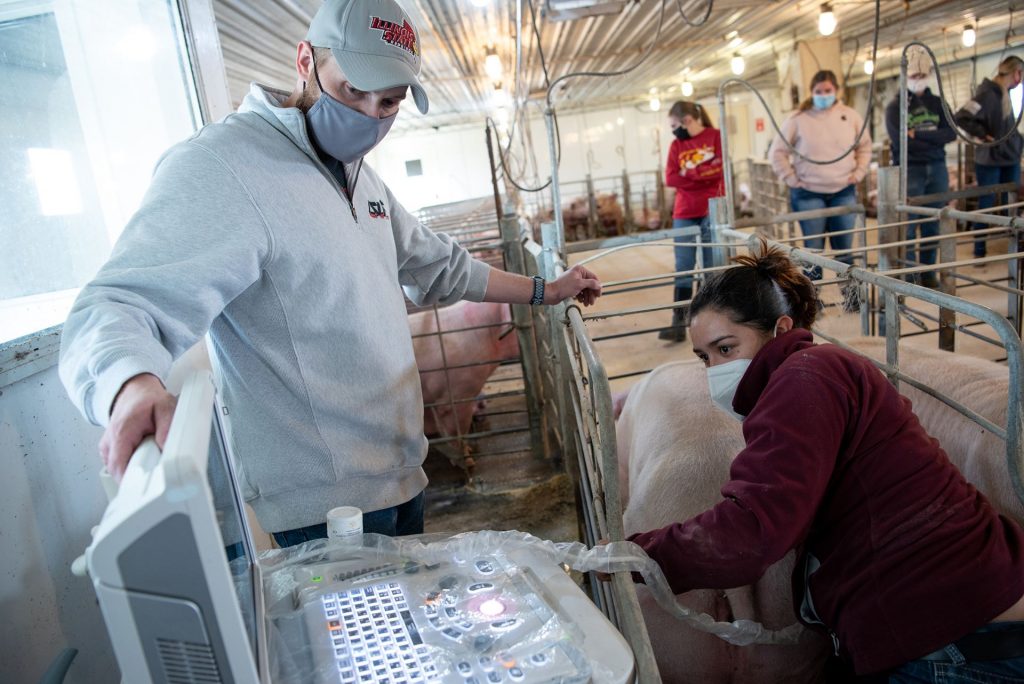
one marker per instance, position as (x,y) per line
(432,267)
(196,242)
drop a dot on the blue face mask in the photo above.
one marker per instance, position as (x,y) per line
(342,132)
(823,101)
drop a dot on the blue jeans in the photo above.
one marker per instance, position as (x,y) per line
(686,257)
(955,669)
(396,521)
(926,179)
(992,175)
(805,200)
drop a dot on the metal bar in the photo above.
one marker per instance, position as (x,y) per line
(523,319)
(962,328)
(1008,221)
(626,240)
(966,193)
(478,435)
(558,235)
(474,364)
(893,372)
(947,283)
(480,397)
(797,216)
(436,333)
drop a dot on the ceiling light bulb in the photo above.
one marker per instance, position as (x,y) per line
(481,3)
(492,65)
(655,104)
(826,20)
(969,37)
(737,64)
(686,88)
(620,121)
(499,98)
(869,66)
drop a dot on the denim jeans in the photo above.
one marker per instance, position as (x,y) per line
(957,670)
(992,175)
(926,179)
(686,257)
(396,521)
(805,200)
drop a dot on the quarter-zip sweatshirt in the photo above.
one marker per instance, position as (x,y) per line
(836,465)
(246,234)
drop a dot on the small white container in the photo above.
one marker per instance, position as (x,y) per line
(345,524)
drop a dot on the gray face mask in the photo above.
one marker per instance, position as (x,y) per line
(342,132)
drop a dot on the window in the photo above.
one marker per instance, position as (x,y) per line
(93,93)
(414,167)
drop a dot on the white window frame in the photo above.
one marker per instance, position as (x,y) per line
(197,31)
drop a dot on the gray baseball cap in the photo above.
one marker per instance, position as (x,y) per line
(374,43)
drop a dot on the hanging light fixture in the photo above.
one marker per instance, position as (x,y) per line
(869,66)
(737,64)
(481,3)
(969,37)
(655,102)
(492,64)
(499,97)
(826,20)
(686,88)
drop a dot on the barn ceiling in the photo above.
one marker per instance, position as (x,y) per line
(258,40)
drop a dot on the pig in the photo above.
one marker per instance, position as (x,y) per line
(674,450)
(978,384)
(492,344)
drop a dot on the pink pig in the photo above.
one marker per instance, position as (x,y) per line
(485,346)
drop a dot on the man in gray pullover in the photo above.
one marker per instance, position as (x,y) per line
(267,231)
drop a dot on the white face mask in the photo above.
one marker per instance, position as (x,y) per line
(725,378)
(917,85)
(723,381)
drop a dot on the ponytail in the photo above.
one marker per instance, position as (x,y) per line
(760,290)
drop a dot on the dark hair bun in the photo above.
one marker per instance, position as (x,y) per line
(748,293)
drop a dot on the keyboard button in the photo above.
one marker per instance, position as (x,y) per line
(479,586)
(538,658)
(505,625)
(515,674)
(451,633)
(464,668)
(494,677)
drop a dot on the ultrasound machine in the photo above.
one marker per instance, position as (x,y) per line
(186,600)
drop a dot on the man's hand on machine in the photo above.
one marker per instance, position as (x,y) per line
(142,407)
(577,283)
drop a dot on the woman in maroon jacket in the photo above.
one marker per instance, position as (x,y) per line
(902,561)
(694,169)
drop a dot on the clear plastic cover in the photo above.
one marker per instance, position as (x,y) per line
(446,609)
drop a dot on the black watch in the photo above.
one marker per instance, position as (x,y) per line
(538,291)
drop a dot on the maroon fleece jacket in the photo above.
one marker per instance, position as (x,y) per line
(837,465)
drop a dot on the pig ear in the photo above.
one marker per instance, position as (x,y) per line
(505,332)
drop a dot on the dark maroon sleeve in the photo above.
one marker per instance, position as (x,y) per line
(793,437)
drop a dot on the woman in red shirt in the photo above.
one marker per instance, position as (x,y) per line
(908,567)
(694,169)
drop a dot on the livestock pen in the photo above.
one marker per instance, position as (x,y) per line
(597,351)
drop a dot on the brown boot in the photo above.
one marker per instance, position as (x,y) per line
(677,332)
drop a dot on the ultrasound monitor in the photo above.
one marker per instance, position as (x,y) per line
(172,558)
